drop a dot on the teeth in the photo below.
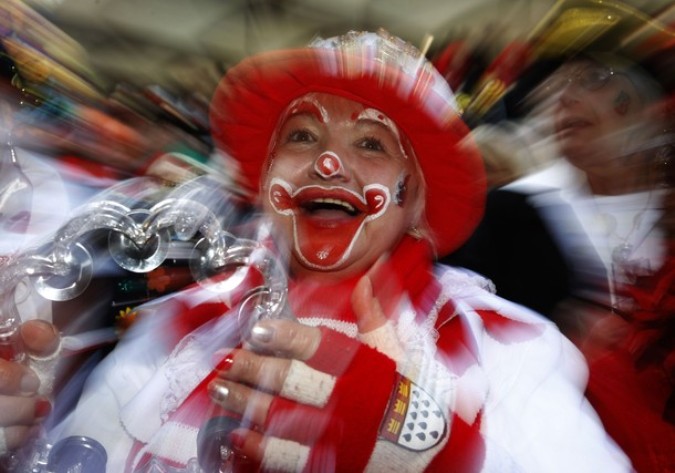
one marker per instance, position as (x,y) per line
(341,203)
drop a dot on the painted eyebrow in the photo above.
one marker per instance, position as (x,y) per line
(369,121)
(371,115)
(307,107)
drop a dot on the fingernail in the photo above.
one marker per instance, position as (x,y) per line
(29,383)
(42,408)
(224,364)
(46,328)
(218,391)
(236,441)
(261,334)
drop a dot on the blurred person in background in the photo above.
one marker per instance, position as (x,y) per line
(585,241)
(384,362)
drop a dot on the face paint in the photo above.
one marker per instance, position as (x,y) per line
(339,224)
(621,102)
(328,165)
(327,220)
(307,104)
(401,190)
(379,117)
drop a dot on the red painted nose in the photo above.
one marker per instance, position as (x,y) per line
(328,165)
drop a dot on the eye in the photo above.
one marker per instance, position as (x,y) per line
(300,136)
(371,144)
(595,77)
(553,84)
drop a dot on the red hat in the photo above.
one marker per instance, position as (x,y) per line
(379,71)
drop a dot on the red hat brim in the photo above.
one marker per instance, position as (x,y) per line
(251,97)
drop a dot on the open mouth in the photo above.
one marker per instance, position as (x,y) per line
(329,206)
(573,123)
(327,221)
(326,201)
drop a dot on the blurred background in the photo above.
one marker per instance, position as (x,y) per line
(170,41)
(123,80)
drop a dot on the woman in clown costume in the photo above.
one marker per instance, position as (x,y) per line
(353,149)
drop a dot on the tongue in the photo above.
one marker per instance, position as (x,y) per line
(325,238)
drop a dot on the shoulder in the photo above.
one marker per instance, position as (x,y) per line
(459,282)
(499,328)
(473,294)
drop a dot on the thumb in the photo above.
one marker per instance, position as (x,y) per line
(368,311)
(40,338)
(374,329)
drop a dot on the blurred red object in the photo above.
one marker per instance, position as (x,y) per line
(454,62)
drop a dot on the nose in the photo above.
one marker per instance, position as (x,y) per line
(569,93)
(329,166)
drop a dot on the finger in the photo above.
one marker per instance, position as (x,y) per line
(40,337)
(262,372)
(285,338)
(275,416)
(368,311)
(374,329)
(272,453)
(251,404)
(18,410)
(294,421)
(17,436)
(17,379)
(248,443)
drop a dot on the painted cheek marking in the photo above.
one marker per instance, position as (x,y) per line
(378,198)
(328,165)
(379,202)
(279,196)
(401,190)
(276,197)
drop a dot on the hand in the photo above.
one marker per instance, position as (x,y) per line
(21,407)
(302,390)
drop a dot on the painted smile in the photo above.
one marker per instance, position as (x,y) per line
(327,221)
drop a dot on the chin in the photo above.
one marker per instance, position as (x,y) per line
(349,268)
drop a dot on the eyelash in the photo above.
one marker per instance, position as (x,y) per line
(368,143)
(300,136)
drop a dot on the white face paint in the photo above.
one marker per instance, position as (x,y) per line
(306,102)
(336,167)
(298,105)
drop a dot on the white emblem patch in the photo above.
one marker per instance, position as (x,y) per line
(413,419)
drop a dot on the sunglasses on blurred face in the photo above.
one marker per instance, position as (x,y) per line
(589,77)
